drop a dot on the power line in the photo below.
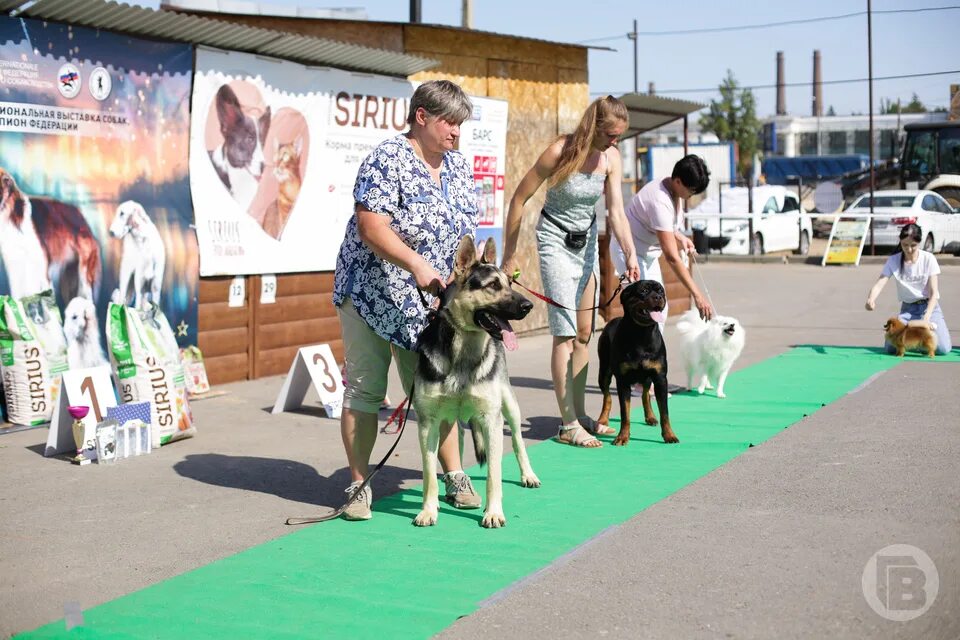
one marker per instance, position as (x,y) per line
(794,84)
(765,25)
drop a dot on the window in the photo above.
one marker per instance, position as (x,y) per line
(790,204)
(929,203)
(919,156)
(950,150)
(861,142)
(888,144)
(781,144)
(837,142)
(771,205)
(808,143)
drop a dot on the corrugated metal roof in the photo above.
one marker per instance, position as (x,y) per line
(648,112)
(179,27)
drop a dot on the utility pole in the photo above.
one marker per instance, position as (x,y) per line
(633,36)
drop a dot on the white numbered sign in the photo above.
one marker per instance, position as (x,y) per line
(312,364)
(268,289)
(238,291)
(92,388)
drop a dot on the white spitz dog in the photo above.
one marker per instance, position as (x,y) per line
(709,349)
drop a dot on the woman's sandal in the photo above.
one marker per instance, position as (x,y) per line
(594,427)
(579,437)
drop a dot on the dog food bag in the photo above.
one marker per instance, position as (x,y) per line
(27,382)
(194,370)
(44,317)
(146,358)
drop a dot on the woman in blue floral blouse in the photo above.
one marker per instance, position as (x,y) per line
(415,198)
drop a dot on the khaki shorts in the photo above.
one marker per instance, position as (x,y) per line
(367,360)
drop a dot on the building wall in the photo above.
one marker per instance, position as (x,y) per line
(546,86)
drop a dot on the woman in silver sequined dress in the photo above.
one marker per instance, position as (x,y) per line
(578,168)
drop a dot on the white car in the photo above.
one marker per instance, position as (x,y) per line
(939,222)
(779,223)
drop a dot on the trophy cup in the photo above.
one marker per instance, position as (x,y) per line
(78,413)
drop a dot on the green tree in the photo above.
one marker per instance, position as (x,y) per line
(734,117)
(831,112)
(914,106)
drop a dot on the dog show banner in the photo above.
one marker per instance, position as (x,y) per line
(483,140)
(275,148)
(94,187)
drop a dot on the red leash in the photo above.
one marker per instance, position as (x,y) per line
(551,301)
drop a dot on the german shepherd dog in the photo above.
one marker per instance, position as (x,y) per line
(632,349)
(462,375)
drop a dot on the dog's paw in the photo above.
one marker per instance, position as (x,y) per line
(530,481)
(493,520)
(652,421)
(670,438)
(701,389)
(721,394)
(621,440)
(425,518)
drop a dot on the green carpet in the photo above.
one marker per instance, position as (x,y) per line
(388,579)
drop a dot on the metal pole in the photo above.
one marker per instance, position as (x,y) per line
(416,13)
(873,249)
(636,79)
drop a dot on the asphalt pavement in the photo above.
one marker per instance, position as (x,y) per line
(772,544)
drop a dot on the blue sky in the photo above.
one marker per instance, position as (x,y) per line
(903,43)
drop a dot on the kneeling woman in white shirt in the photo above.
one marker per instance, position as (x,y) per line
(915,272)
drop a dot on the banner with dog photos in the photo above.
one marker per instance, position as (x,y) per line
(275,148)
(94,187)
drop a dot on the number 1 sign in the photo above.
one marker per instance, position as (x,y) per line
(315,363)
(92,388)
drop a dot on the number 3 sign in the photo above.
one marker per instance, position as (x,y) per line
(92,388)
(316,364)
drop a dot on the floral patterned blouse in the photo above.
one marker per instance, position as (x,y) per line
(429,218)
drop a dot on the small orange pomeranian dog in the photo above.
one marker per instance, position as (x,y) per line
(903,337)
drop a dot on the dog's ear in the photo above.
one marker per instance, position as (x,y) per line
(264,126)
(466,256)
(489,252)
(228,108)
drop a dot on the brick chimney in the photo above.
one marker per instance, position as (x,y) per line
(817,85)
(781,87)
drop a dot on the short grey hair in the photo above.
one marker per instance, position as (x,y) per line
(442,99)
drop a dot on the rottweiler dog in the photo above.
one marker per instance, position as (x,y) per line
(631,349)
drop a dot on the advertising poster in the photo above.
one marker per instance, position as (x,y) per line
(483,140)
(274,155)
(94,188)
(845,245)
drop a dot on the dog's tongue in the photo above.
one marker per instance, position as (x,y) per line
(656,316)
(507,335)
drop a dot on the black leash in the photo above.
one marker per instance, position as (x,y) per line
(366,481)
(445,297)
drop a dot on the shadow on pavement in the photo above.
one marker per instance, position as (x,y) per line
(286,479)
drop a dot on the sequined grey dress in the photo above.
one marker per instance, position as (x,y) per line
(566,272)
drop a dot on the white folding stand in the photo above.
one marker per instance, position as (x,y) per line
(312,364)
(91,387)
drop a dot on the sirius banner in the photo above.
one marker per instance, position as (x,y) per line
(94,191)
(275,148)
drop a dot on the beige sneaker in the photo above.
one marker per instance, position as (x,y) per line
(359,508)
(460,491)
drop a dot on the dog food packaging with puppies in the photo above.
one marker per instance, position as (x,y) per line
(32,357)
(146,358)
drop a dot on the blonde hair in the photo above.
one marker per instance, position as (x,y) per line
(603,112)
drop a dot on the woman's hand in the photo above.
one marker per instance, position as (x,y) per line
(427,278)
(871,305)
(686,244)
(509,266)
(633,269)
